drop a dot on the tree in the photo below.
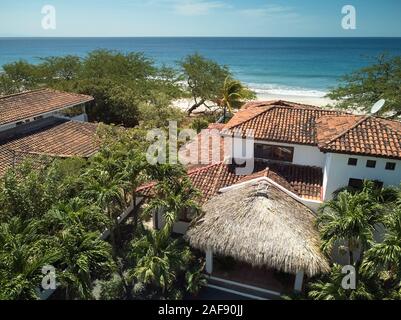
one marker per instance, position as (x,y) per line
(233,95)
(24,251)
(85,258)
(362,88)
(204,78)
(65,68)
(126,87)
(331,288)
(384,258)
(26,76)
(158,260)
(348,221)
(174,195)
(7,85)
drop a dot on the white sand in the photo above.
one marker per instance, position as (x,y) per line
(185,104)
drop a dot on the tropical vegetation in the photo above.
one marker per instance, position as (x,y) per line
(362,228)
(362,88)
(67,214)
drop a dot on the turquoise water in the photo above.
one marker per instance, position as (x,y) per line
(304,66)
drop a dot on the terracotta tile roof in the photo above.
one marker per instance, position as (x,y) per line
(304,181)
(361,135)
(206,148)
(279,121)
(216,126)
(56,138)
(17,107)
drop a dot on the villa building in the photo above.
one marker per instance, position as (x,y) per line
(302,154)
(340,149)
(44,123)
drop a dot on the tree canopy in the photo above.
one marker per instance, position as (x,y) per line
(207,81)
(362,88)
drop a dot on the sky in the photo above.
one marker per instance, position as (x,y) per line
(265,18)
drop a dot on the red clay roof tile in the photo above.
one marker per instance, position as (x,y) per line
(21,106)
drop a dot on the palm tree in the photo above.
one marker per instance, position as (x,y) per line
(384,258)
(106,190)
(85,258)
(24,251)
(75,212)
(348,220)
(158,260)
(233,95)
(330,288)
(174,196)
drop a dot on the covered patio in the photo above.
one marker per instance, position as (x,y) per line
(261,226)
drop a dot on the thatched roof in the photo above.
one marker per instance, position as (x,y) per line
(262,225)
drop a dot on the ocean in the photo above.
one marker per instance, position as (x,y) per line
(284,66)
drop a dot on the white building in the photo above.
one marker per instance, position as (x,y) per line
(345,148)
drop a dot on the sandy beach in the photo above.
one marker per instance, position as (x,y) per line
(185,104)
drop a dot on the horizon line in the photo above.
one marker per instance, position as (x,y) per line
(257,37)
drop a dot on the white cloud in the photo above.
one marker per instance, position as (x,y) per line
(197,7)
(271,11)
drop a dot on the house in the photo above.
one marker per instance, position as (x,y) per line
(44,123)
(301,155)
(346,149)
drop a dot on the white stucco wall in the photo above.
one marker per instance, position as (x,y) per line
(303,154)
(337,172)
(179,227)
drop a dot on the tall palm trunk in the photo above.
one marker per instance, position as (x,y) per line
(351,253)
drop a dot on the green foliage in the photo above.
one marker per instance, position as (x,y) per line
(118,82)
(199,124)
(349,222)
(233,95)
(362,88)
(24,250)
(330,288)
(85,258)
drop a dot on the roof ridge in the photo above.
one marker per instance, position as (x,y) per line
(360,121)
(21,93)
(196,170)
(297,106)
(269,107)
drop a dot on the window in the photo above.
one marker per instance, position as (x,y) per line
(371,164)
(355,183)
(390,166)
(276,153)
(352,161)
(19,123)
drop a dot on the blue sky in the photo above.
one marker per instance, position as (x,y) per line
(295,18)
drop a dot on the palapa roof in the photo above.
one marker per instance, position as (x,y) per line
(22,106)
(52,137)
(259,224)
(330,130)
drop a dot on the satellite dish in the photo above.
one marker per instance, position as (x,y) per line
(378,106)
